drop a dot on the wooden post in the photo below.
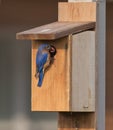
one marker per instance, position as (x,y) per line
(80,121)
(76,121)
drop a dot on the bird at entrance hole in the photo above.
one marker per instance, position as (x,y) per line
(44,59)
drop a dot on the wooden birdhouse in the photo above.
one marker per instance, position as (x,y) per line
(69,83)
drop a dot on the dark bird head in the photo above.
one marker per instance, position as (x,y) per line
(50,48)
(52,51)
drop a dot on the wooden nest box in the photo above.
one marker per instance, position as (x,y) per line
(69,84)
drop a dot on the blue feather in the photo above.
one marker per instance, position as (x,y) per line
(40,63)
(41,76)
(41,47)
(41,59)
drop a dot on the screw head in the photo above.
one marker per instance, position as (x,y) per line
(85,106)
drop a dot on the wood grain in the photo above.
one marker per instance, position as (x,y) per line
(83,71)
(54,95)
(55,30)
(78,11)
(76,121)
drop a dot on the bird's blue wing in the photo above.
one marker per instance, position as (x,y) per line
(41,60)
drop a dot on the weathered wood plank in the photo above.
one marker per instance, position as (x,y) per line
(55,30)
(78,11)
(83,71)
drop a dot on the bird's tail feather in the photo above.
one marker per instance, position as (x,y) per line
(41,75)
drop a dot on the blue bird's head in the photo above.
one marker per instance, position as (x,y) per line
(43,46)
(50,48)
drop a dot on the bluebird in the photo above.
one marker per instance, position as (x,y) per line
(44,58)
